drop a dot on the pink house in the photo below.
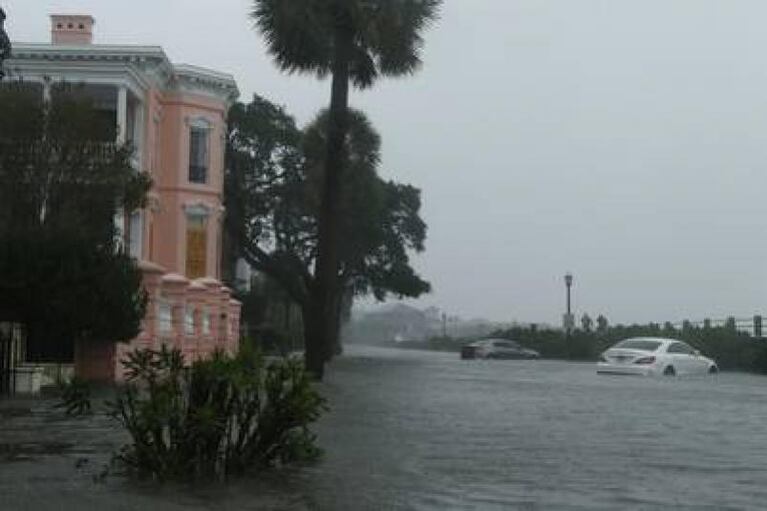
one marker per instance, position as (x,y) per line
(175,117)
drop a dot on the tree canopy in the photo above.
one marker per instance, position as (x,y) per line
(355,41)
(384,36)
(274,174)
(62,177)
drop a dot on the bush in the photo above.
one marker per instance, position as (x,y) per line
(75,397)
(219,417)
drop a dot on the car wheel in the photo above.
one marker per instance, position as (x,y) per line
(713,370)
(669,371)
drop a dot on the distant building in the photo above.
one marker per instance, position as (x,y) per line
(175,117)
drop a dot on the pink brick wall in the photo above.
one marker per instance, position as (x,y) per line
(100,361)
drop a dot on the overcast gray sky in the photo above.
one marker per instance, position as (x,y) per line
(624,141)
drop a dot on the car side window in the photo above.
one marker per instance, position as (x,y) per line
(680,347)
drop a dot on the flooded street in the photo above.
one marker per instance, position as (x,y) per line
(415,430)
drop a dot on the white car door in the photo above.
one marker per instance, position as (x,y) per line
(699,362)
(681,356)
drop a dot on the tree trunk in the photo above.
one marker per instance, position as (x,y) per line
(335,340)
(314,359)
(319,334)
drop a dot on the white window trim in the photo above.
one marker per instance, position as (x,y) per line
(206,125)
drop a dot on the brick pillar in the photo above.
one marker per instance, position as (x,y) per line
(235,307)
(174,290)
(225,296)
(152,282)
(213,303)
(147,338)
(193,345)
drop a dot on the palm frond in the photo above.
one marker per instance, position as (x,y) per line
(386,35)
(298,34)
(395,34)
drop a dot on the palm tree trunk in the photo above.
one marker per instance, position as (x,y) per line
(335,346)
(319,334)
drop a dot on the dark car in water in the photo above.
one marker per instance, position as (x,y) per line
(497,349)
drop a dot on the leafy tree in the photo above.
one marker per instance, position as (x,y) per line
(354,41)
(602,324)
(586,323)
(61,178)
(273,181)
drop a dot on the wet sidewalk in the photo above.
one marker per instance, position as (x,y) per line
(49,461)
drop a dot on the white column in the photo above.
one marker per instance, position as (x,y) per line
(122,123)
(122,113)
(136,242)
(138,135)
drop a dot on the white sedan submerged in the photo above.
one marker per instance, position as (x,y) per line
(654,356)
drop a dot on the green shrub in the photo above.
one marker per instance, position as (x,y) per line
(219,417)
(75,397)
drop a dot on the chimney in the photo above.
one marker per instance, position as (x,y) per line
(73,29)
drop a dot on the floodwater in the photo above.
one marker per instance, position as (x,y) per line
(415,430)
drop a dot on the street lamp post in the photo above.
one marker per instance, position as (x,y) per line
(569,321)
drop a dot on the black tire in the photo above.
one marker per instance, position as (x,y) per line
(713,370)
(669,371)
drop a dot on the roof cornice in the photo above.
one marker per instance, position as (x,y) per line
(88,52)
(189,77)
(196,76)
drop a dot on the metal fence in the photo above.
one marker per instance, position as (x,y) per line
(11,355)
(751,325)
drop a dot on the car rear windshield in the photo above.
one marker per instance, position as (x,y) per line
(638,344)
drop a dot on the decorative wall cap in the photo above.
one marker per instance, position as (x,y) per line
(196,285)
(209,282)
(174,278)
(150,267)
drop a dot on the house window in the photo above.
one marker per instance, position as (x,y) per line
(196,246)
(164,318)
(198,155)
(189,321)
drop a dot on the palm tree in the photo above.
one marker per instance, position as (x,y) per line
(354,41)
